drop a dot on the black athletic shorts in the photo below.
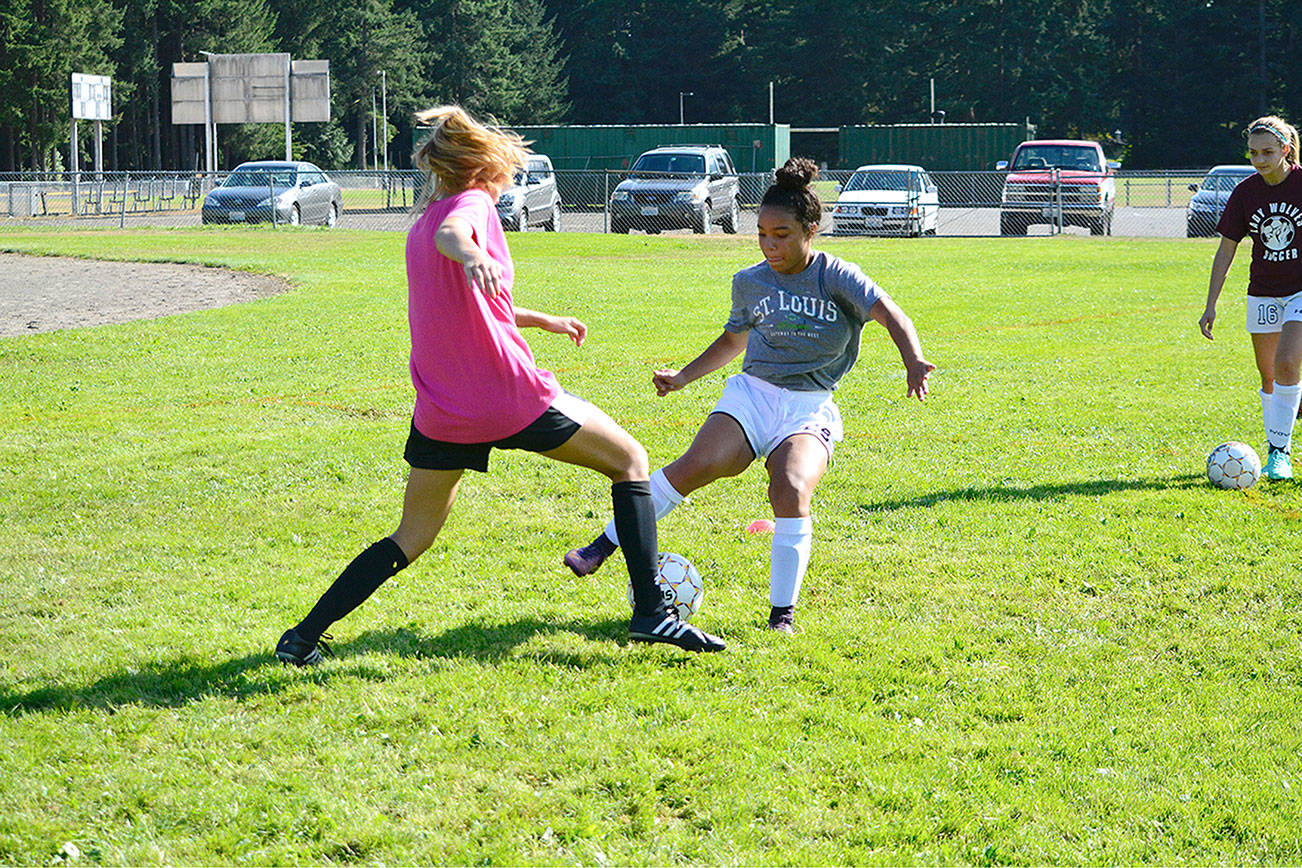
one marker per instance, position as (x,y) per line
(549,431)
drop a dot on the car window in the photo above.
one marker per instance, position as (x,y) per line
(878,180)
(261,178)
(1223,181)
(1059,157)
(685,164)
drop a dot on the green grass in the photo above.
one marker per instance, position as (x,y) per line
(1032,633)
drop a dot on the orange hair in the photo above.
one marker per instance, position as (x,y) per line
(1280,129)
(462,153)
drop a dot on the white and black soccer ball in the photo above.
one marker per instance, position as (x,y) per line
(679,582)
(1233,466)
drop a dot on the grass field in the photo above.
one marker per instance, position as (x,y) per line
(1032,633)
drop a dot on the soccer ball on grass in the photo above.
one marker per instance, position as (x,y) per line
(1233,466)
(679,582)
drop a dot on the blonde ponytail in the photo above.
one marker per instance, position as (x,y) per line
(462,153)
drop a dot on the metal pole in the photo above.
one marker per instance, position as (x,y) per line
(75,163)
(770,103)
(122,219)
(209,128)
(99,147)
(375,154)
(271,191)
(384,104)
(605,201)
(289,136)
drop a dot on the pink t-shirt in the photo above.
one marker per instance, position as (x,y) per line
(475,376)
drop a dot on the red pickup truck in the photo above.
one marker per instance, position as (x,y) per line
(1058,182)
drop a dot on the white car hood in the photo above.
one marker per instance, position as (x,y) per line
(875,197)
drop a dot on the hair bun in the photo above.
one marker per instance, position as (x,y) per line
(797,173)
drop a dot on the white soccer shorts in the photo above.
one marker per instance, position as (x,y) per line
(1268,315)
(769,414)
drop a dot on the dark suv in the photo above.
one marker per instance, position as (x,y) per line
(676,187)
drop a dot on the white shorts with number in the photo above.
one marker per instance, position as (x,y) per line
(1268,315)
(769,415)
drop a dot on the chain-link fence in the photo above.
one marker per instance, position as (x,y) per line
(1151,204)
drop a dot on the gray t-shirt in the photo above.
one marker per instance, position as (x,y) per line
(804,328)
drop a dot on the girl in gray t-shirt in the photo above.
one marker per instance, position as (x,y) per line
(798,317)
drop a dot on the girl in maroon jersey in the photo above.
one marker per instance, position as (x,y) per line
(1268,206)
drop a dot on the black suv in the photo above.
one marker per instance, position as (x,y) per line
(676,187)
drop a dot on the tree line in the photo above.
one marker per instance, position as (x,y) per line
(1164,83)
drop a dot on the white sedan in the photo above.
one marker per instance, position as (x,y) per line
(887,199)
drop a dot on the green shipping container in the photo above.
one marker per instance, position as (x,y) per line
(936,147)
(753,147)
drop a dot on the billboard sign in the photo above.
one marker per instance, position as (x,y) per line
(92,97)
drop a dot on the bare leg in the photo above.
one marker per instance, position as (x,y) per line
(795,469)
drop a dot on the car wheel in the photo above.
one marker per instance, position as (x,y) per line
(554,224)
(522,223)
(332,218)
(702,226)
(619,227)
(295,216)
(732,218)
(1012,224)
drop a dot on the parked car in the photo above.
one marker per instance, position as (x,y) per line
(1058,177)
(533,199)
(1210,196)
(278,191)
(887,198)
(678,186)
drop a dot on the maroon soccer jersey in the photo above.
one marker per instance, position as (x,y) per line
(1273,217)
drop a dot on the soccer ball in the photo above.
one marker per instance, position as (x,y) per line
(1233,466)
(679,582)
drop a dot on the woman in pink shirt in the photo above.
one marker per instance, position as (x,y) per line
(478,388)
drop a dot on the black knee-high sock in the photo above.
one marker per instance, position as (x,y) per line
(358,581)
(635,522)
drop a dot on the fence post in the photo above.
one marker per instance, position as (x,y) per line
(271,197)
(122,217)
(605,200)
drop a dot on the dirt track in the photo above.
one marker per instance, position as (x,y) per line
(47,293)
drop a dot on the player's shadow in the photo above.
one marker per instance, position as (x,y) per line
(494,642)
(171,684)
(1015,493)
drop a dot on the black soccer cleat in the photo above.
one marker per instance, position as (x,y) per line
(294,650)
(587,560)
(783,619)
(667,627)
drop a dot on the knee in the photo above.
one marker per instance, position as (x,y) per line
(633,463)
(789,497)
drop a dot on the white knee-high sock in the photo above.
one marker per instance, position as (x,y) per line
(664,497)
(792,540)
(1281,414)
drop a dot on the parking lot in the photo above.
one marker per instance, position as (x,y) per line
(1148,205)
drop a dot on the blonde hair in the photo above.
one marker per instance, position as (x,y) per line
(462,153)
(1280,129)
